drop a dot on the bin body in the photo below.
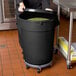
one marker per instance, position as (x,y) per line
(37,37)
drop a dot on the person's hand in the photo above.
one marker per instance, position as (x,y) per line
(21,7)
(48,9)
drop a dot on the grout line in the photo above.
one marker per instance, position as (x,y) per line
(1,65)
(10,59)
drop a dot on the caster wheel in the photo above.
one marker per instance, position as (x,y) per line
(27,67)
(55,51)
(38,70)
(69,66)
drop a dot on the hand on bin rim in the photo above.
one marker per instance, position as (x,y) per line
(48,9)
(21,7)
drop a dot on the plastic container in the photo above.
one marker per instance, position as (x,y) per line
(37,37)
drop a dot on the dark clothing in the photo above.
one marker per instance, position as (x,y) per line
(36,4)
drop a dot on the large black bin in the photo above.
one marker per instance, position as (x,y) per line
(37,37)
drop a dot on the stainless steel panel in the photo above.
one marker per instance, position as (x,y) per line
(1,11)
(8,9)
(7,14)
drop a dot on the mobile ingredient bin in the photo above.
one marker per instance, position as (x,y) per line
(37,37)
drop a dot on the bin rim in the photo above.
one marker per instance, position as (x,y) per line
(40,11)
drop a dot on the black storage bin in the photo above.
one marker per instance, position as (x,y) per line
(37,37)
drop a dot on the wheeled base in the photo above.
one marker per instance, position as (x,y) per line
(69,67)
(39,67)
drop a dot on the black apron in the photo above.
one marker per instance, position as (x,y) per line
(35,4)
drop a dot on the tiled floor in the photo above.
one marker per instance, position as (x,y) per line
(11,58)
